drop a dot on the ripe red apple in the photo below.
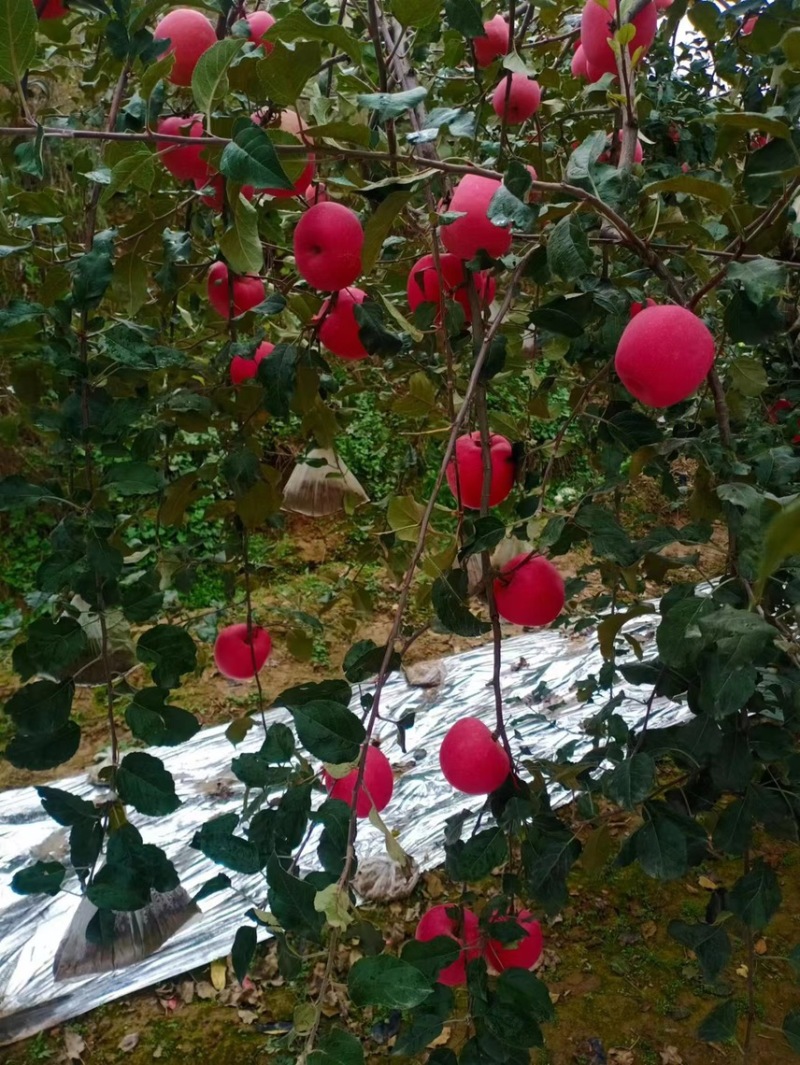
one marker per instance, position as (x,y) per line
(519,102)
(596,30)
(216,198)
(259,23)
(664,355)
(458,923)
(248,291)
(376,787)
(578,65)
(529,591)
(468,460)
(52,9)
(525,954)
(638,154)
(423,283)
(290,122)
(497,41)
(238,657)
(749,25)
(594,74)
(338,331)
(637,308)
(327,246)
(317,192)
(662,5)
(777,408)
(465,236)
(471,759)
(243,369)
(190,34)
(184,163)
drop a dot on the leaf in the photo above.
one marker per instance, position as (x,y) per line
(364,660)
(483,535)
(709,942)
(93,271)
(210,77)
(41,708)
(44,751)
(143,783)
(119,886)
(791,1029)
(379,226)
(465,16)
(339,691)
(781,541)
(449,596)
(334,903)
(244,947)
(387,981)
(338,1048)
(170,652)
(389,105)
(661,848)
(329,731)
(373,334)
(291,900)
(41,878)
(296,25)
(138,170)
(719,1026)
(250,159)
(50,648)
(278,375)
(134,479)
(755,120)
(217,841)
(16,492)
(404,515)
(413,13)
(756,896)
(425,1023)
(748,375)
(568,253)
(17,39)
(285,71)
(155,723)
(608,629)
(240,243)
(631,781)
(719,195)
(762,279)
(475,858)
(433,955)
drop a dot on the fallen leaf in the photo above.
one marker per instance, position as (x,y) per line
(620,1057)
(74,1045)
(708,884)
(434,888)
(670,1056)
(158,1051)
(219,972)
(439,1041)
(205,990)
(247,1016)
(649,929)
(186,991)
(128,1042)
(742,971)
(760,946)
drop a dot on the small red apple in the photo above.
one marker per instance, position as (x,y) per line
(468,461)
(777,408)
(529,591)
(376,787)
(638,154)
(522,956)
(465,236)
(664,355)
(636,308)
(578,65)
(260,23)
(243,369)
(238,657)
(184,163)
(423,283)
(749,25)
(190,34)
(327,246)
(596,30)
(290,122)
(248,291)
(497,41)
(458,923)
(517,98)
(317,192)
(471,759)
(52,9)
(338,330)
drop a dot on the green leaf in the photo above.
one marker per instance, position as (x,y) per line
(364,660)
(134,479)
(782,540)
(755,897)
(41,878)
(415,13)
(41,708)
(465,16)
(392,104)
(338,691)
(50,648)
(708,941)
(44,751)
(119,886)
(17,40)
(296,25)
(755,120)
(379,226)
(169,651)
(520,1001)
(16,492)
(762,279)
(748,375)
(65,808)
(157,724)
(548,861)
(372,332)
(250,159)
(338,1048)
(137,170)
(631,781)
(483,534)
(449,596)
(143,783)
(791,1029)
(719,195)
(425,1023)
(404,515)
(475,858)
(217,841)
(93,271)
(240,243)
(661,847)
(568,253)
(278,375)
(433,955)
(244,947)
(285,71)
(329,731)
(719,1026)
(210,77)
(387,981)
(291,900)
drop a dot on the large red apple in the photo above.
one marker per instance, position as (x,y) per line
(190,34)
(259,24)
(238,657)
(52,9)
(243,369)
(578,65)
(467,463)
(522,956)
(327,246)
(529,591)
(516,98)
(290,122)
(465,236)
(376,787)
(184,163)
(596,29)
(497,41)
(664,355)
(248,291)
(338,330)
(458,923)
(471,759)
(423,284)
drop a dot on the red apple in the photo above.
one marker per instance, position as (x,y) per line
(458,923)
(638,154)
(525,954)
(338,330)
(290,122)
(52,9)
(376,787)
(664,355)
(519,102)
(662,5)
(243,369)
(327,246)
(497,41)
(184,163)
(465,236)
(216,198)
(749,25)
(317,192)
(468,460)
(238,657)
(260,23)
(578,65)
(637,308)
(471,759)
(594,74)
(529,591)
(190,35)
(248,291)
(423,283)
(596,30)
(777,408)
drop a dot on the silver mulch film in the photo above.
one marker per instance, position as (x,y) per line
(539,676)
